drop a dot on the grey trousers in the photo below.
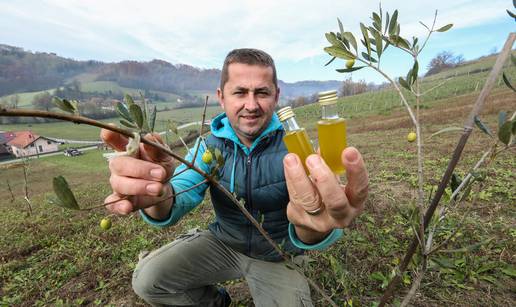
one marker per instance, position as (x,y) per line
(183,273)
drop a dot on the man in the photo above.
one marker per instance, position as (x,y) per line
(298,211)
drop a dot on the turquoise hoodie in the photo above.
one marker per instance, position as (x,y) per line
(185,202)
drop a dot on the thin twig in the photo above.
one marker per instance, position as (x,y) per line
(433,88)
(10,190)
(429,33)
(415,284)
(420,173)
(200,138)
(200,129)
(26,186)
(395,85)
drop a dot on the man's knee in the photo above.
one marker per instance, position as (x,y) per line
(145,280)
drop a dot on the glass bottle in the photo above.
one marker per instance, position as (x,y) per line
(331,130)
(296,139)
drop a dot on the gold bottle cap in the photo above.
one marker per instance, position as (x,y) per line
(328,97)
(285,113)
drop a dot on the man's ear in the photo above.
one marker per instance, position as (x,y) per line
(220,97)
(277,94)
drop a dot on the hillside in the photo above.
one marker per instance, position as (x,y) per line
(27,73)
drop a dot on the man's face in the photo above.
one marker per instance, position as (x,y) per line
(248,98)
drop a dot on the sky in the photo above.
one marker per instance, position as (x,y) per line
(201,33)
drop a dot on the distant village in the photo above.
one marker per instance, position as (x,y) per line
(19,144)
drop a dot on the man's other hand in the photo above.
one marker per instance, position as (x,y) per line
(320,203)
(137,182)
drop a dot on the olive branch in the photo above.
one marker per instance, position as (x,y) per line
(384,32)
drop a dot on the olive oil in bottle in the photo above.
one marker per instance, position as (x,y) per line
(296,139)
(331,130)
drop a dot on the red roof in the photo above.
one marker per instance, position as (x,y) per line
(6,136)
(23,139)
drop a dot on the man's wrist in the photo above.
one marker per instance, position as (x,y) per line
(331,238)
(162,208)
(310,237)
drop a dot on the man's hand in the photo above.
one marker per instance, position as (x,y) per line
(137,182)
(321,203)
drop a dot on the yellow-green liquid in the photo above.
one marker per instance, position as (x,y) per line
(332,141)
(298,142)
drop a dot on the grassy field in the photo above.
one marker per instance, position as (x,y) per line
(58,257)
(62,258)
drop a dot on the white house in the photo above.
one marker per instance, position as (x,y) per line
(26,143)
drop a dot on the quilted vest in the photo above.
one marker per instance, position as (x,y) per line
(260,181)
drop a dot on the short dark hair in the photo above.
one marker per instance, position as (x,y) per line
(247,56)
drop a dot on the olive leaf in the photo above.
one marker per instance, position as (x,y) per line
(344,70)
(448,129)
(339,53)
(377,22)
(129,100)
(218,157)
(445,28)
(415,69)
(378,42)
(65,197)
(409,77)
(64,105)
(502,117)
(455,182)
(128,124)
(136,114)
(387,21)
(172,126)
(504,133)
(121,109)
(399,41)
(341,28)
(482,126)
(332,39)
(369,58)
(466,192)
(425,25)
(393,23)
(366,41)
(351,39)
(507,82)
(332,59)
(404,83)
(145,113)
(152,119)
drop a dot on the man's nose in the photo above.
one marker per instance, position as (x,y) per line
(251,103)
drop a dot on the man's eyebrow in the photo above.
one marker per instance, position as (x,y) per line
(262,89)
(241,89)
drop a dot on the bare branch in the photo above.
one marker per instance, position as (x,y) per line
(430,31)
(10,190)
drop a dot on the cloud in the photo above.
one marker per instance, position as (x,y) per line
(201,32)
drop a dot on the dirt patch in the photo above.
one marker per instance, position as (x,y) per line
(20,253)
(446,110)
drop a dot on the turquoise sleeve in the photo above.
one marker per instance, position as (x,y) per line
(186,201)
(329,240)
